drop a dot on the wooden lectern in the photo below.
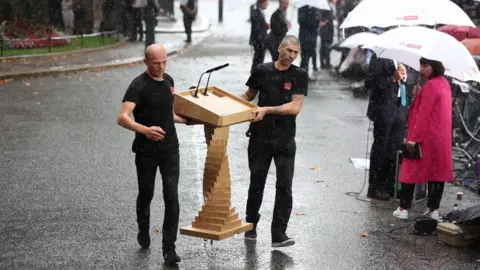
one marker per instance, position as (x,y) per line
(218,109)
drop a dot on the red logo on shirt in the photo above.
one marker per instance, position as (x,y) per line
(172,90)
(287,86)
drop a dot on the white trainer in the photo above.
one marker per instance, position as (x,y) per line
(432,214)
(435,215)
(401,214)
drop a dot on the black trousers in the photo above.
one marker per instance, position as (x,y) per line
(388,136)
(324,54)
(307,51)
(168,164)
(260,155)
(273,47)
(137,24)
(258,55)
(435,193)
(149,30)
(187,23)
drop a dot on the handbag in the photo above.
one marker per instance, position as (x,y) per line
(415,154)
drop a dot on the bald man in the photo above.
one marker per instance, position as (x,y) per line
(150,98)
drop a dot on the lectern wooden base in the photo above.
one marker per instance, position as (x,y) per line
(218,219)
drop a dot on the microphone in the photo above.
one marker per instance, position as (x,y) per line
(217,68)
(210,73)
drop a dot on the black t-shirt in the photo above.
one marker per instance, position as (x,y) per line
(154,107)
(276,88)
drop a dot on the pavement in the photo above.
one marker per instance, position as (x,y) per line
(68,182)
(171,34)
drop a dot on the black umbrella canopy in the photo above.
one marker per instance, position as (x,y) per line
(470,215)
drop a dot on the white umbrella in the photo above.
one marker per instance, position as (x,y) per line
(409,44)
(320,4)
(247,2)
(358,39)
(386,13)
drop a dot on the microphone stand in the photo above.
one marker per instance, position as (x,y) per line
(206,87)
(195,95)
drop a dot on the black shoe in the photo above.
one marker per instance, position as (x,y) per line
(391,193)
(170,257)
(283,242)
(143,239)
(377,195)
(252,234)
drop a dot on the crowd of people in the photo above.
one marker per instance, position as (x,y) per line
(266,34)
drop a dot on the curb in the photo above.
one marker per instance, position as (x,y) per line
(77,68)
(107,47)
(86,67)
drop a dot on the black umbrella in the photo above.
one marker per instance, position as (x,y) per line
(470,215)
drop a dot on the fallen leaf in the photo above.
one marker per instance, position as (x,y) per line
(316,168)
(364,234)
(300,214)
(27,83)
(156,230)
(5,81)
(38,103)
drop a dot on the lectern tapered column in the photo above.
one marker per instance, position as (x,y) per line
(217,219)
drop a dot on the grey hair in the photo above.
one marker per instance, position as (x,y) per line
(289,40)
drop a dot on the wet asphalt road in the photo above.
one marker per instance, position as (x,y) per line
(68,182)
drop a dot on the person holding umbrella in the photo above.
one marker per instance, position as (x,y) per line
(429,138)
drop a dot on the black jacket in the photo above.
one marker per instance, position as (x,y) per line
(309,21)
(327,31)
(279,28)
(384,91)
(258,31)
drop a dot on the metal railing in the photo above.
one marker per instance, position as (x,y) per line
(49,40)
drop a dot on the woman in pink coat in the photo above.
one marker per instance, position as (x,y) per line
(430,126)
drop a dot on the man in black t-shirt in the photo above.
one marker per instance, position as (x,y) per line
(150,97)
(281,87)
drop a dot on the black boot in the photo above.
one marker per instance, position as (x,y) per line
(143,221)
(143,239)
(377,194)
(170,256)
(252,234)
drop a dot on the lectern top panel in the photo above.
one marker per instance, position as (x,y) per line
(218,102)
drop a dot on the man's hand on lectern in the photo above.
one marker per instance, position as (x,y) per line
(259,114)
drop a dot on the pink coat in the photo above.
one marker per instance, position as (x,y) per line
(430,125)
